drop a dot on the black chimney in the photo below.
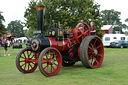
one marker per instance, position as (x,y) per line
(40,17)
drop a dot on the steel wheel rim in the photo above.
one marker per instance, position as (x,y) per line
(95,52)
(51,62)
(24,63)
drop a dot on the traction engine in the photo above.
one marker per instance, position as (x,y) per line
(60,48)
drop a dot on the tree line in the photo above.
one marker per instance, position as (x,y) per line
(66,13)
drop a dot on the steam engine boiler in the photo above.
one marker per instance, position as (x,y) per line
(60,47)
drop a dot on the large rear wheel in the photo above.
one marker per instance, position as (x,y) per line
(91,52)
(50,61)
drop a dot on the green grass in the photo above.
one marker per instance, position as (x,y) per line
(113,71)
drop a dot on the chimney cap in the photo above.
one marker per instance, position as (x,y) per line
(40,7)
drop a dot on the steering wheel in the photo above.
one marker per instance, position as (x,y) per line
(81,31)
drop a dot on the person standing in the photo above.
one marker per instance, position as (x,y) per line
(5,48)
(92,28)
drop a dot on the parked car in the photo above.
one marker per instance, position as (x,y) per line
(108,38)
(16,45)
(119,43)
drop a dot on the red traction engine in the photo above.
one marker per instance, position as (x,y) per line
(60,48)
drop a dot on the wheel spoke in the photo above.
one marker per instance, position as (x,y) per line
(96,60)
(99,55)
(32,56)
(92,61)
(28,66)
(28,54)
(46,66)
(22,61)
(98,47)
(79,31)
(55,58)
(25,66)
(86,32)
(79,36)
(51,68)
(24,55)
(46,57)
(31,65)
(89,52)
(91,58)
(55,64)
(90,48)
(95,42)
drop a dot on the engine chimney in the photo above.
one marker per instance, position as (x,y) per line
(40,17)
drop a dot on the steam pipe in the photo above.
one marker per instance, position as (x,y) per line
(40,17)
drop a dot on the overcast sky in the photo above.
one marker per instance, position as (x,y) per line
(117,5)
(14,9)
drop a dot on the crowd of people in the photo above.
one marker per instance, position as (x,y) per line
(7,43)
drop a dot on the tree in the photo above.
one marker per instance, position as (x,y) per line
(69,12)
(31,17)
(110,17)
(16,28)
(126,20)
(2,27)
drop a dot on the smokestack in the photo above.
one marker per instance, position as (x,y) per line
(40,17)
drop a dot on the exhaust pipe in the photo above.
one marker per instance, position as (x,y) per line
(40,17)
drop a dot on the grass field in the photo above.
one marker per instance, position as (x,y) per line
(113,71)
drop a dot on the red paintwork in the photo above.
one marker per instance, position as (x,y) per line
(79,52)
(60,45)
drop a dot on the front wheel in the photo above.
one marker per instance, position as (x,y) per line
(26,61)
(50,61)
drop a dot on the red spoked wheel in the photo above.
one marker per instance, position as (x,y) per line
(91,52)
(26,61)
(81,31)
(50,61)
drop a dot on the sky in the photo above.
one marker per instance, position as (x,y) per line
(14,9)
(117,5)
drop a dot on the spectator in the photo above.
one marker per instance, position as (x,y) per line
(92,28)
(5,47)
